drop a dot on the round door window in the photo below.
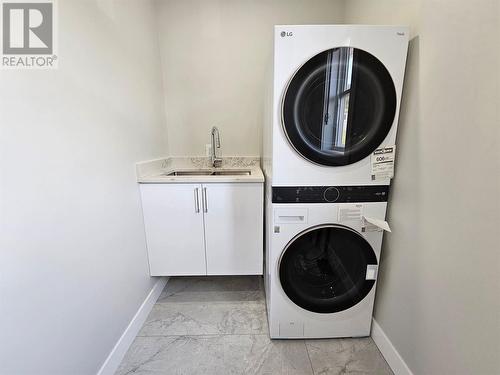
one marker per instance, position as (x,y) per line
(339,106)
(324,269)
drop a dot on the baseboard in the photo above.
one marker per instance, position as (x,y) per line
(391,355)
(114,359)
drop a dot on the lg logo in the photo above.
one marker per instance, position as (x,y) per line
(286,33)
(27,28)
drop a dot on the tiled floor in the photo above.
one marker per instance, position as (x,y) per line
(218,325)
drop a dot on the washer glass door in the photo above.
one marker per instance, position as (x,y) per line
(339,106)
(324,269)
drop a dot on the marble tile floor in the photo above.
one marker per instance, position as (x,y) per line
(218,325)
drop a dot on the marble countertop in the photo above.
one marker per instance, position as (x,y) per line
(156,171)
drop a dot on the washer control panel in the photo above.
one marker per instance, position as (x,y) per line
(330,194)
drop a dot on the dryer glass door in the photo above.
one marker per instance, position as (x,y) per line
(339,106)
(324,269)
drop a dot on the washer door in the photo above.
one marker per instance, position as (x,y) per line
(339,106)
(324,269)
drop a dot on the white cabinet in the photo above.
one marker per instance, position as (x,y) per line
(204,229)
(174,229)
(233,228)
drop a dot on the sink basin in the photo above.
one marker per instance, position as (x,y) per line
(210,173)
(231,173)
(190,173)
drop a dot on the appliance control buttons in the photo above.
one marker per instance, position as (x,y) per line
(331,194)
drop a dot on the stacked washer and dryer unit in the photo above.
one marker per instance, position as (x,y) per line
(333,101)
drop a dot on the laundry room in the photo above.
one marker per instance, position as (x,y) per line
(249,187)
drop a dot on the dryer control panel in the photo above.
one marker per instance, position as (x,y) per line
(330,194)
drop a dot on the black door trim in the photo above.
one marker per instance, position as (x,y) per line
(373,138)
(341,303)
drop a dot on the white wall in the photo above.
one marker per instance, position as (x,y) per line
(73,262)
(438,294)
(214,56)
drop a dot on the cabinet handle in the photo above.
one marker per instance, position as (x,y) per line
(196,201)
(205,200)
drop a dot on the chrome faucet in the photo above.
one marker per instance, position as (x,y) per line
(216,161)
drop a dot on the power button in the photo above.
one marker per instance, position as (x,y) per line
(331,194)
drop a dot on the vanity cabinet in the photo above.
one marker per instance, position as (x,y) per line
(204,229)
(174,229)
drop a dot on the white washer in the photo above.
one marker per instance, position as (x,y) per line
(333,99)
(321,264)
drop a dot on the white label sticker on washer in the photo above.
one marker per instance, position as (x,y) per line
(368,227)
(375,225)
(382,161)
(350,212)
(371,272)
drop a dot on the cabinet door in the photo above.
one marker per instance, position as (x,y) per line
(233,228)
(173,219)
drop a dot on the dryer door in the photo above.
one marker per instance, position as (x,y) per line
(327,269)
(339,106)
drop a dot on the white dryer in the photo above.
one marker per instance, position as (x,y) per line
(322,261)
(334,100)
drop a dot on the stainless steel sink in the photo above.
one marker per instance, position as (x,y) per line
(201,172)
(190,173)
(231,173)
